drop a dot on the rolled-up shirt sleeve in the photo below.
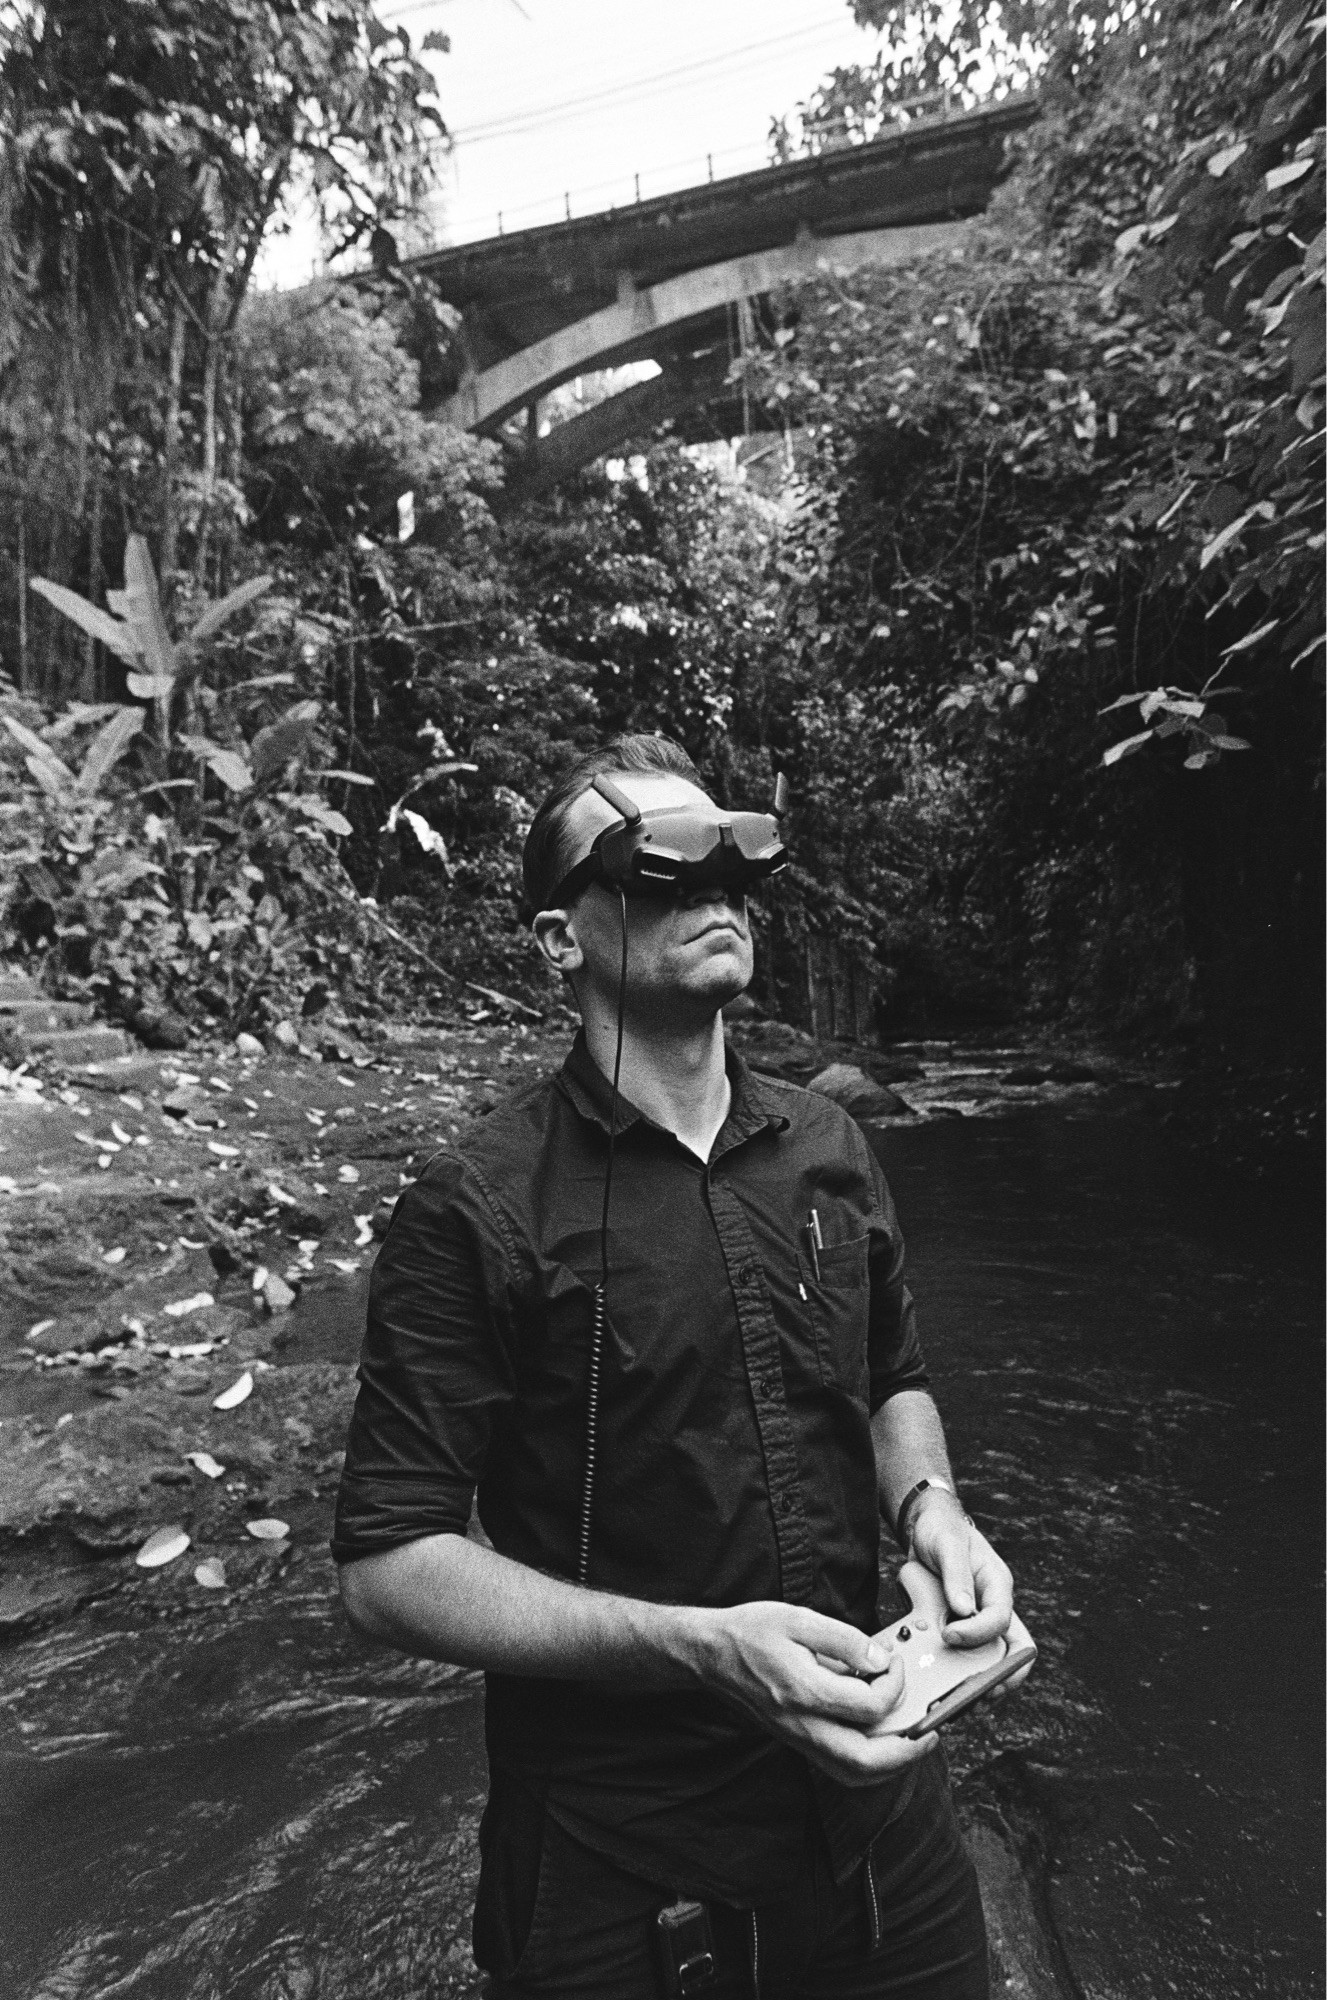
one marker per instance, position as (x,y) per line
(894,1353)
(435,1373)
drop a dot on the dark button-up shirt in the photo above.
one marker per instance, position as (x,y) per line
(735,1461)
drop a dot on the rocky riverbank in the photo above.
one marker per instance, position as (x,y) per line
(187,1237)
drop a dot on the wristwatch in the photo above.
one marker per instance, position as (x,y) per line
(909,1501)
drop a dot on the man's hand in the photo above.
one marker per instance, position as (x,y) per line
(978,1584)
(798,1674)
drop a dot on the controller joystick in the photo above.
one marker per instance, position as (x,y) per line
(940,1681)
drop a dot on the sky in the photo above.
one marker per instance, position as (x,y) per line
(550,100)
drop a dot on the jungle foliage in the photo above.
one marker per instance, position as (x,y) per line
(1034,623)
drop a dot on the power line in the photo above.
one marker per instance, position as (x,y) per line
(512,124)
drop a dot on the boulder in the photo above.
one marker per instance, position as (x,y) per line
(160,1028)
(861,1098)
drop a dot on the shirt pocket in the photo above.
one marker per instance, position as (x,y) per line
(839,1298)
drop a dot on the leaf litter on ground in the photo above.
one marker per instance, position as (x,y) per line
(238,1392)
(162,1547)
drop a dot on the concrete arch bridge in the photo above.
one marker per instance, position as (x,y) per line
(668,280)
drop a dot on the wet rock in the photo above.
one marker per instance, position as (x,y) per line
(1073,1072)
(845,1084)
(187,1381)
(277,1295)
(286,1036)
(777,1048)
(249,1045)
(180,1102)
(90,1479)
(76,1333)
(27,1603)
(160,1028)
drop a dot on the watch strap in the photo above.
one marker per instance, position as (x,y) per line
(909,1502)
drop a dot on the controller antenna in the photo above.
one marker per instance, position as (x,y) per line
(780,795)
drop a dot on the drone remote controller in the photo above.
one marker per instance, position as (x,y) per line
(940,1681)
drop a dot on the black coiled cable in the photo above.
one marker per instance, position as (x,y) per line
(601,1289)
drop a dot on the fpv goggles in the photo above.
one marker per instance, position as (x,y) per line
(676,849)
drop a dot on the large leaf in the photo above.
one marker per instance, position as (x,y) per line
(147,687)
(228,765)
(323,816)
(274,747)
(48,769)
(117,638)
(235,600)
(145,613)
(108,746)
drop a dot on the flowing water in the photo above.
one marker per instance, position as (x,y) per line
(245,1803)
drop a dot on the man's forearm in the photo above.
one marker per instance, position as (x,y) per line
(909,1445)
(446,1598)
(449,1599)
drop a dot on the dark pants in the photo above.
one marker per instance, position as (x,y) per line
(563,1923)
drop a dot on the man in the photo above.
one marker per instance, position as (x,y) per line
(708,1720)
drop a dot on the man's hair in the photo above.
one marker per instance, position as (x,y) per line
(546,857)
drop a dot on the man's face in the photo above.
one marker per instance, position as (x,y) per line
(687,956)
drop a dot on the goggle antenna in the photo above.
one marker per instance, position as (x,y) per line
(616,798)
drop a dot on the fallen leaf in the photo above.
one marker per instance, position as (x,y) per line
(162,1547)
(346,1264)
(223,1152)
(116,1256)
(238,1392)
(39,1326)
(279,1194)
(193,1352)
(179,1307)
(205,1463)
(268,1531)
(365,1236)
(347,1173)
(103,1160)
(260,1277)
(211,1574)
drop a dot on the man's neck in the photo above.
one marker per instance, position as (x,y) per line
(675,1075)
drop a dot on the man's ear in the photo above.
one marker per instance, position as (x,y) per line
(555,935)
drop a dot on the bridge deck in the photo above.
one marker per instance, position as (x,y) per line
(517,290)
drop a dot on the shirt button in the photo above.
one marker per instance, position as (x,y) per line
(783,1504)
(745,1275)
(769,1388)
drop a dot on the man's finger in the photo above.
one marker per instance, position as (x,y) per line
(991,1596)
(837,1641)
(847,1699)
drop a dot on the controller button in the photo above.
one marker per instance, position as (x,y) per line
(920,1625)
(903,1632)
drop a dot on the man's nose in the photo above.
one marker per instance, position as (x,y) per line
(715,892)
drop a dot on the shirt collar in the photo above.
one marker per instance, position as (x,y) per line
(591,1092)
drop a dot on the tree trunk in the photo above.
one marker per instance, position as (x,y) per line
(95,681)
(210,367)
(171,446)
(22,598)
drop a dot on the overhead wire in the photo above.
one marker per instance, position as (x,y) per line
(532,117)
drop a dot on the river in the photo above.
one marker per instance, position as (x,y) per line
(245,1803)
